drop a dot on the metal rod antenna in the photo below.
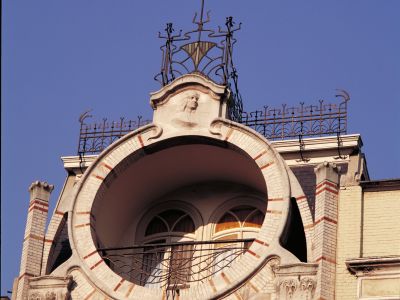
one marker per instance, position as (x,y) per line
(202,11)
(200,24)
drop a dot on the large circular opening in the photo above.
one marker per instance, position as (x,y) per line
(186,191)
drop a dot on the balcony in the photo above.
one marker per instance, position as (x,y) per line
(173,266)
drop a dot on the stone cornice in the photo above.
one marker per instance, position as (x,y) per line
(75,163)
(361,266)
(381,185)
(350,141)
(318,150)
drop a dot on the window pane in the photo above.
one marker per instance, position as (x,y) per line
(170,216)
(255,220)
(184,225)
(156,226)
(227,222)
(242,212)
(180,264)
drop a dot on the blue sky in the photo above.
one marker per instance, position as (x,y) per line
(60,58)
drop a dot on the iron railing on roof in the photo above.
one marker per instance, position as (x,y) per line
(288,122)
(285,122)
(95,137)
(173,266)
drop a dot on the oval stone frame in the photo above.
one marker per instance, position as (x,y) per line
(267,241)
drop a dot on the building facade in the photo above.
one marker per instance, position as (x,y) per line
(197,204)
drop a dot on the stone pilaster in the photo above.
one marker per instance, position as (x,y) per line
(325,228)
(32,250)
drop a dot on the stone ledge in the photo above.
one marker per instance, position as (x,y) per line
(366,265)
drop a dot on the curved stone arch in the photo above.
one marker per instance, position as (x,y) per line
(267,242)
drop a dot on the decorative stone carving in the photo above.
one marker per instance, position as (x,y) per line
(289,286)
(42,185)
(296,281)
(189,103)
(307,286)
(50,288)
(35,296)
(51,296)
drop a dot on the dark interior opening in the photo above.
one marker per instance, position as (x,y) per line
(60,251)
(294,239)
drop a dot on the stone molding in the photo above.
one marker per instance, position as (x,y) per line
(373,265)
(163,94)
(41,184)
(50,288)
(296,281)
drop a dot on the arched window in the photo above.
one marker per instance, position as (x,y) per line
(241,221)
(161,256)
(170,223)
(237,224)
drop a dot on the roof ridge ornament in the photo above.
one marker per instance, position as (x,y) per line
(202,51)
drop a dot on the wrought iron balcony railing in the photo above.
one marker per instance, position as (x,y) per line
(173,266)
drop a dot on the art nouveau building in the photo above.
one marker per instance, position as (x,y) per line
(198,205)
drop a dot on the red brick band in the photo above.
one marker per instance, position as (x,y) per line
(327,182)
(325,219)
(140,140)
(38,201)
(119,284)
(261,154)
(82,225)
(107,166)
(261,242)
(308,226)
(300,198)
(129,290)
(225,278)
(211,282)
(328,190)
(253,253)
(90,294)
(90,254)
(58,212)
(228,135)
(332,261)
(275,199)
(266,165)
(98,177)
(274,212)
(38,208)
(253,287)
(34,236)
(96,264)
(83,212)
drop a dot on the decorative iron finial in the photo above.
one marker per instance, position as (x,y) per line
(203,51)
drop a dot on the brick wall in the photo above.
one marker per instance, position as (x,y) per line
(381,228)
(306,177)
(348,240)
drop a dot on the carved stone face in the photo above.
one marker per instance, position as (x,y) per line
(192,101)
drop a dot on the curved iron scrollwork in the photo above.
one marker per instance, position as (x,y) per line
(173,266)
(204,51)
